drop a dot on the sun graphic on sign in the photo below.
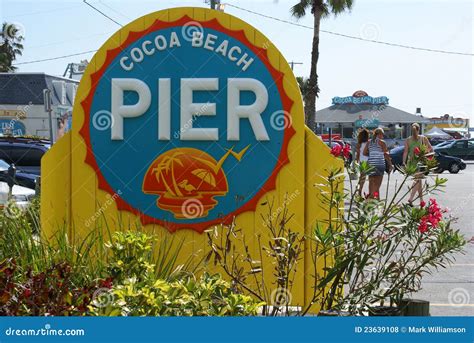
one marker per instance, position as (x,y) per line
(183,174)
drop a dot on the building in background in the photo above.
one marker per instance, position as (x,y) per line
(22,109)
(348,114)
(456,126)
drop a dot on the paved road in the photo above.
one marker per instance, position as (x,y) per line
(451,291)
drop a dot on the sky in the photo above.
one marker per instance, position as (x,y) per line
(437,83)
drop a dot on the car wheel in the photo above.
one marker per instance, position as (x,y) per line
(454,168)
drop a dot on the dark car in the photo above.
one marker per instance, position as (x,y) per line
(445,162)
(25,153)
(461,148)
(441,144)
(21,179)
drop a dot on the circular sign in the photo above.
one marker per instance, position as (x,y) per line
(187,124)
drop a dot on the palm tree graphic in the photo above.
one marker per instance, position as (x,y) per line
(206,175)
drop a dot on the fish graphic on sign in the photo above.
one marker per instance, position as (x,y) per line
(184,174)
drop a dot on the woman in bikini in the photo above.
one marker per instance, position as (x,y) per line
(411,144)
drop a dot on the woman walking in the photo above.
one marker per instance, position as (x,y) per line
(379,158)
(362,139)
(413,145)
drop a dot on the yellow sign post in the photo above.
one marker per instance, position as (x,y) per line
(184,119)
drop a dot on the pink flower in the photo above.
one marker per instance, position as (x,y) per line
(376,195)
(336,150)
(422,204)
(417,151)
(107,283)
(423,225)
(432,218)
(346,151)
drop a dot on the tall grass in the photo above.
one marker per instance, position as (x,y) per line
(88,257)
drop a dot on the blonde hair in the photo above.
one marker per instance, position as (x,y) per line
(416,126)
(377,132)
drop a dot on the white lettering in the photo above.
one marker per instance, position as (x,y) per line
(222,48)
(137,55)
(125,67)
(197,39)
(253,112)
(174,40)
(160,43)
(231,53)
(145,48)
(190,109)
(246,63)
(120,111)
(164,109)
(210,41)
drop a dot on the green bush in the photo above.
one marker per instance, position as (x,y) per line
(130,256)
(206,296)
(136,291)
(133,274)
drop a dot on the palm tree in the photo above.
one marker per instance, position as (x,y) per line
(11,47)
(166,165)
(303,83)
(319,9)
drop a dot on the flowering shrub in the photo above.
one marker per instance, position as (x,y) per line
(378,249)
(431,216)
(337,150)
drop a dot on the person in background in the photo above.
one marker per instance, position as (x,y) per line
(413,144)
(362,139)
(379,158)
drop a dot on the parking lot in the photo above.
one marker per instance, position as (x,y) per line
(451,290)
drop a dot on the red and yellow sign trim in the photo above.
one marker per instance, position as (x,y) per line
(239,35)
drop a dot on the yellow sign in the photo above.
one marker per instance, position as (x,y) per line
(13,113)
(184,119)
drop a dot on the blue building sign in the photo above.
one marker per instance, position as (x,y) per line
(12,127)
(364,100)
(367,123)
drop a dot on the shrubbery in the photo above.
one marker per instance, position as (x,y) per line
(121,277)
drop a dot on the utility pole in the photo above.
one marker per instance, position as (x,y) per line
(292,64)
(47,108)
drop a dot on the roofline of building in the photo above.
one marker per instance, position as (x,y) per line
(40,73)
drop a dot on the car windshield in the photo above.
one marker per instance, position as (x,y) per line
(397,149)
(4,165)
(442,144)
(446,145)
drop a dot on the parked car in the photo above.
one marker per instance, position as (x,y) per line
(445,162)
(22,179)
(25,153)
(461,148)
(22,196)
(439,145)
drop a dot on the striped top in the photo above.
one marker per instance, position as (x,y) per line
(376,154)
